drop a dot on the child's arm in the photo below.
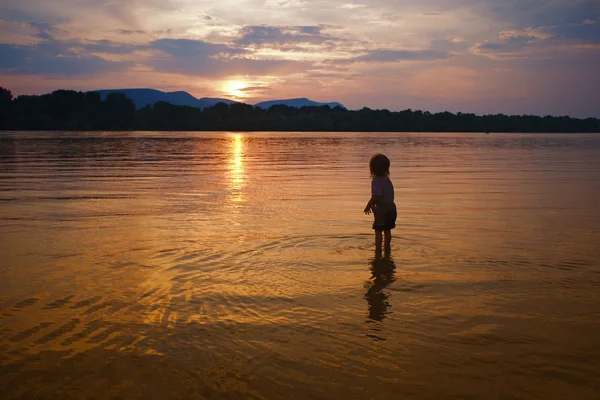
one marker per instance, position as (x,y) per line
(371,204)
(375,196)
(367,209)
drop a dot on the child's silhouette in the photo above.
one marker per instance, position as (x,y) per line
(382,201)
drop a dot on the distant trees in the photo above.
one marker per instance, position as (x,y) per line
(71,110)
(5,106)
(66,110)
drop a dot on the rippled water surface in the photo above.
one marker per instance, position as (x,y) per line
(223,265)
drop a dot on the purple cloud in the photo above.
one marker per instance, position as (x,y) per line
(53,59)
(399,55)
(280,35)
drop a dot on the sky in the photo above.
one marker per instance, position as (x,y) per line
(483,56)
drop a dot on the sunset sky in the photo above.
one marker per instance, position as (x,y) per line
(483,56)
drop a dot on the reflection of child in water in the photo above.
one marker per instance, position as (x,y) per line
(383,270)
(382,200)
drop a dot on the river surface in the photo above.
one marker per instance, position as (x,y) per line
(220,265)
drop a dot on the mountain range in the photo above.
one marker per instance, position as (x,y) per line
(144,97)
(298,103)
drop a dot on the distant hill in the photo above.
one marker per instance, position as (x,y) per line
(298,103)
(182,98)
(143,97)
(210,102)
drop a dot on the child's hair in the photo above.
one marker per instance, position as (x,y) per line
(379,165)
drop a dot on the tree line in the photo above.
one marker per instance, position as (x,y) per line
(72,110)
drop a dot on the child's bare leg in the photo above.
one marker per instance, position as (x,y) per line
(388,238)
(378,240)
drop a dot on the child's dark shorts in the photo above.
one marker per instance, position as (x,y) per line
(385,217)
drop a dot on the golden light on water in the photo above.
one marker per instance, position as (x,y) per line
(236,167)
(235,247)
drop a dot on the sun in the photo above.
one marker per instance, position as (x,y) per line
(235,88)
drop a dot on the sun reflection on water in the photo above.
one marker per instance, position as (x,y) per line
(236,168)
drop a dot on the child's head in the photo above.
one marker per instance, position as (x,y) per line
(379,165)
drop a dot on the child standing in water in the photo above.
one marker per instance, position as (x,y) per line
(382,201)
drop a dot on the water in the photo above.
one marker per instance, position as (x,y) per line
(223,265)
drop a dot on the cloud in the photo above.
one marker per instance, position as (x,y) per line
(187,48)
(398,55)
(538,13)
(107,46)
(18,33)
(254,88)
(52,60)
(311,30)
(44,30)
(54,57)
(281,35)
(131,31)
(527,33)
(223,68)
(584,32)
(196,57)
(513,49)
(587,31)
(546,41)
(352,6)
(285,3)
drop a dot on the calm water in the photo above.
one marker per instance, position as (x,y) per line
(221,265)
